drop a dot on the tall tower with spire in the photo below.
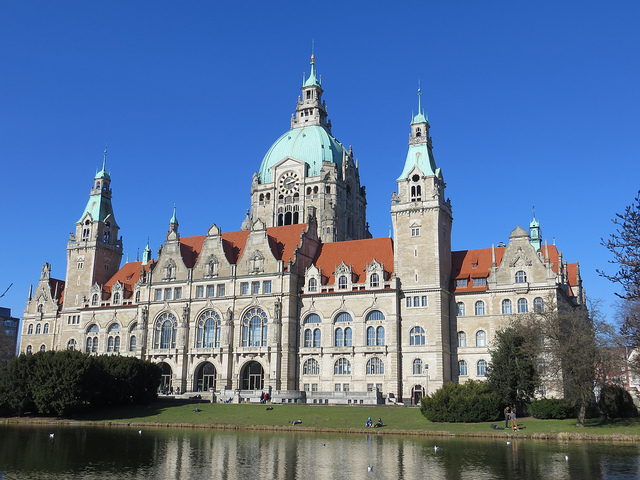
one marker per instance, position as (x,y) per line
(421,217)
(94,252)
(307,167)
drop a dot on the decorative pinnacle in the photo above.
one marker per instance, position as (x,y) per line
(104,159)
(419,100)
(174,219)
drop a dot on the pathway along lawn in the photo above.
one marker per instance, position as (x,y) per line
(351,419)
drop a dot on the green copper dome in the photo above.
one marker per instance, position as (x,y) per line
(311,144)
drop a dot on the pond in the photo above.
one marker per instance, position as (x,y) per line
(72,452)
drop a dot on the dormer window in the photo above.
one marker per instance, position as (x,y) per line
(94,300)
(374,281)
(116,298)
(313,285)
(521,277)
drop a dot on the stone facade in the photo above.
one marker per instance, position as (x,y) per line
(302,302)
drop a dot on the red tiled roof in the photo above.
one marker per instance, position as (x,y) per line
(357,254)
(190,248)
(128,275)
(462,267)
(57,288)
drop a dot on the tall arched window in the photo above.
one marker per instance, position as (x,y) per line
(165,331)
(254,328)
(481,338)
(348,340)
(45,329)
(375,366)
(417,367)
(30,329)
(338,338)
(91,345)
(209,326)
(371,336)
(506,307)
(523,306)
(311,367)
(479,307)
(342,367)
(38,329)
(482,368)
(29,349)
(462,339)
(317,338)
(460,309)
(416,336)
(71,344)
(380,336)
(462,368)
(538,305)
(132,343)
(308,338)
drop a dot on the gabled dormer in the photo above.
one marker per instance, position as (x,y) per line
(374,275)
(312,280)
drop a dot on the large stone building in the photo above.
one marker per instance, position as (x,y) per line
(302,301)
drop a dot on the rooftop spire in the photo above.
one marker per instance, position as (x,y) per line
(420,117)
(174,219)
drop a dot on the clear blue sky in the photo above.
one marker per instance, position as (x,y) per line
(530,103)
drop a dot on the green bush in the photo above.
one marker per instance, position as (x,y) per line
(62,382)
(547,408)
(615,402)
(470,402)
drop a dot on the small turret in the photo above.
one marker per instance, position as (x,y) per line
(535,233)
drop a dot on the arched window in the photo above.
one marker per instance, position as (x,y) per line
(374,280)
(462,368)
(165,331)
(138,296)
(338,338)
(371,336)
(375,366)
(254,328)
(29,349)
(538,305)
(116,298)
(313,285)
(481,338)
(506,307)
(71,344)
(374,315)
(43,348)
(482,368)
(417,367)
(308,338)
(342,282)
(416,336)
(110,344)
(113,341)
(311,367)
(462,339)
(342,367)
(348,340)
(313,318)
(343,317)
(38,329)
(380,336)
(30,329)
(523,305)
(317,338)
(132,343)
(94,346)
(479,307)
(209,326)
(460,309)
(521,277)
(94,299)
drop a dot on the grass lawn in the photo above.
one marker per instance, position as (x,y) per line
(398,420)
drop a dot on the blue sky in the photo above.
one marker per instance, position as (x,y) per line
(530,103)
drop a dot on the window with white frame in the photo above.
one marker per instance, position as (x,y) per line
(523,305)
(482,368)
(507,307)
(244,288)
(342,367)
(313,285)
(479,282)
(462,368)
(479,307)
(375,366)
(416,336)
(461,282)
(521,277)
(481,338)
(462,339)
(311,367)
(417,367)
(342,282)
(374,280)
(209,328)
(538,305)
(461,309)
(266,286)
(254,328)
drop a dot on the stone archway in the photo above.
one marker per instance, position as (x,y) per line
(416,392)
(252,377)
(205,377)
(165,380)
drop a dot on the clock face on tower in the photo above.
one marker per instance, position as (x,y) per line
(289,182)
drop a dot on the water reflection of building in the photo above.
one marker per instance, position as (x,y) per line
(301,301)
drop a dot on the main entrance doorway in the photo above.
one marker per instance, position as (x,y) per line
(416,392)
(252,377)
(206,377)
(165,380)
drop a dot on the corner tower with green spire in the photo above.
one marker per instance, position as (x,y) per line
(422,220)
(94,252)
(308,167)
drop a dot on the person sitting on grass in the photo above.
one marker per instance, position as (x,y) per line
(378,423)
(368,423)
(296,422)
